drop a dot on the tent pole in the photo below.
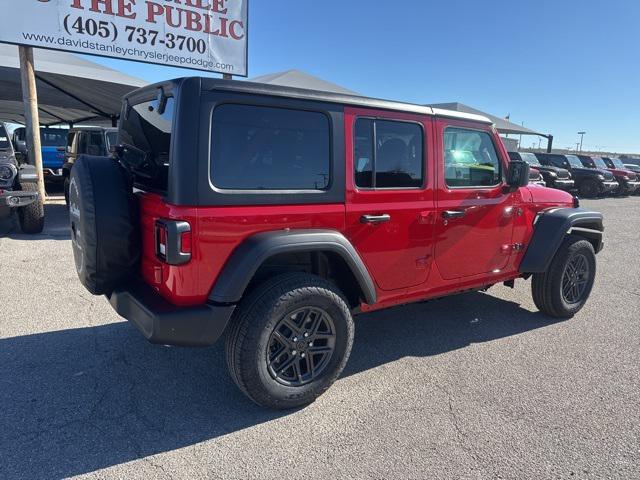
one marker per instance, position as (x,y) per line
(32,119)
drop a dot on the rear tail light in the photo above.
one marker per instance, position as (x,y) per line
(173,241)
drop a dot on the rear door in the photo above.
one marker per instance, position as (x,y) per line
(390,198)
(475,214)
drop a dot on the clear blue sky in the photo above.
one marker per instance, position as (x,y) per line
(559,66)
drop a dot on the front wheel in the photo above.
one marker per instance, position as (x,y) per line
(564,288)
(289,340)
(589,188)
(31,217)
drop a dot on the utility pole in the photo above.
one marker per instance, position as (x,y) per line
(32,119)
(582,134)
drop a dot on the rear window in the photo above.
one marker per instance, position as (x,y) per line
(145,135)
(53,137)
(264,148)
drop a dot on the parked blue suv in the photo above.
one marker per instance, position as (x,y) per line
(54,141)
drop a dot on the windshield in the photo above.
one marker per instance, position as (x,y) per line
(599,162)
(53,137)
(618,163)
(531,159)
(574,161)
(4,137)
(146,137)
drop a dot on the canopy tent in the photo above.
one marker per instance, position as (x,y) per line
(70,89)
(299,79)
(502,125)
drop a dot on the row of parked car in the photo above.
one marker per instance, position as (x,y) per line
(61,147)
(590,176)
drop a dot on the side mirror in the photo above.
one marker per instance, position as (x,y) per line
(20,158)
(518,174)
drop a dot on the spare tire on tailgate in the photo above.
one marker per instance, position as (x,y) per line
(104,223)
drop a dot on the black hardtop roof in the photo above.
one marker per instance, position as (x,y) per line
(211,84)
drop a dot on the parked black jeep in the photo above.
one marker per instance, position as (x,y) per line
(589,182)
(95,141)
(554,177)
(19,187)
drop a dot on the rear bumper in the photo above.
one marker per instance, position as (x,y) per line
(563,184)
(17,198)
(164,323)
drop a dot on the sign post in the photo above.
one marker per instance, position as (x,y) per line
(30,100)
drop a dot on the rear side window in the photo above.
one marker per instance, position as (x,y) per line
(264,148)
(388,154)
(470,159)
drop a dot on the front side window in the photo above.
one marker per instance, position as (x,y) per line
(470,159)
(264,148)
(53,137)
(388,154)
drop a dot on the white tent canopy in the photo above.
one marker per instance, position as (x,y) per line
(70,88)
(299,79)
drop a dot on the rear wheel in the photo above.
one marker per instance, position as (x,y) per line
(589,189)
(31,217)
(289,340)
(564,288)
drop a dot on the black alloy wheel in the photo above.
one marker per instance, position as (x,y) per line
(301,346)
(575,279)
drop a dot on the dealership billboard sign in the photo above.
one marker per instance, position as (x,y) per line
(206,35)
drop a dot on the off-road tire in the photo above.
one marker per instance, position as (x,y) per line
(256,318)
(547,287)
(31,217)
(589,189)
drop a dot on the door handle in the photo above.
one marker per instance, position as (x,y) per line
(385,217)
(451,214)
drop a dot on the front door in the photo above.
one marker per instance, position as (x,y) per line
(475,214)
(390,200)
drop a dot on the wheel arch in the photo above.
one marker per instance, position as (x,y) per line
(551,228)
(318,246)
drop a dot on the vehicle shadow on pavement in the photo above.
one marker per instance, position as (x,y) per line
(75,401)
(56,225)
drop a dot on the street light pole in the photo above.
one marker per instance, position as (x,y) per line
(582,134)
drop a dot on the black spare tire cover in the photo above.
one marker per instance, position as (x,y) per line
(104,223)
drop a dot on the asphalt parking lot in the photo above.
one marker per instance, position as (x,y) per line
(474,386)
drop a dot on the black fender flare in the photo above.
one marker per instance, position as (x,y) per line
(551,227)
(252,252)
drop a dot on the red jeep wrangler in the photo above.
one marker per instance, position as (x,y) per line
(275,214)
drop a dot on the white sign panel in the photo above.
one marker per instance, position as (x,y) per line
(199,34)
